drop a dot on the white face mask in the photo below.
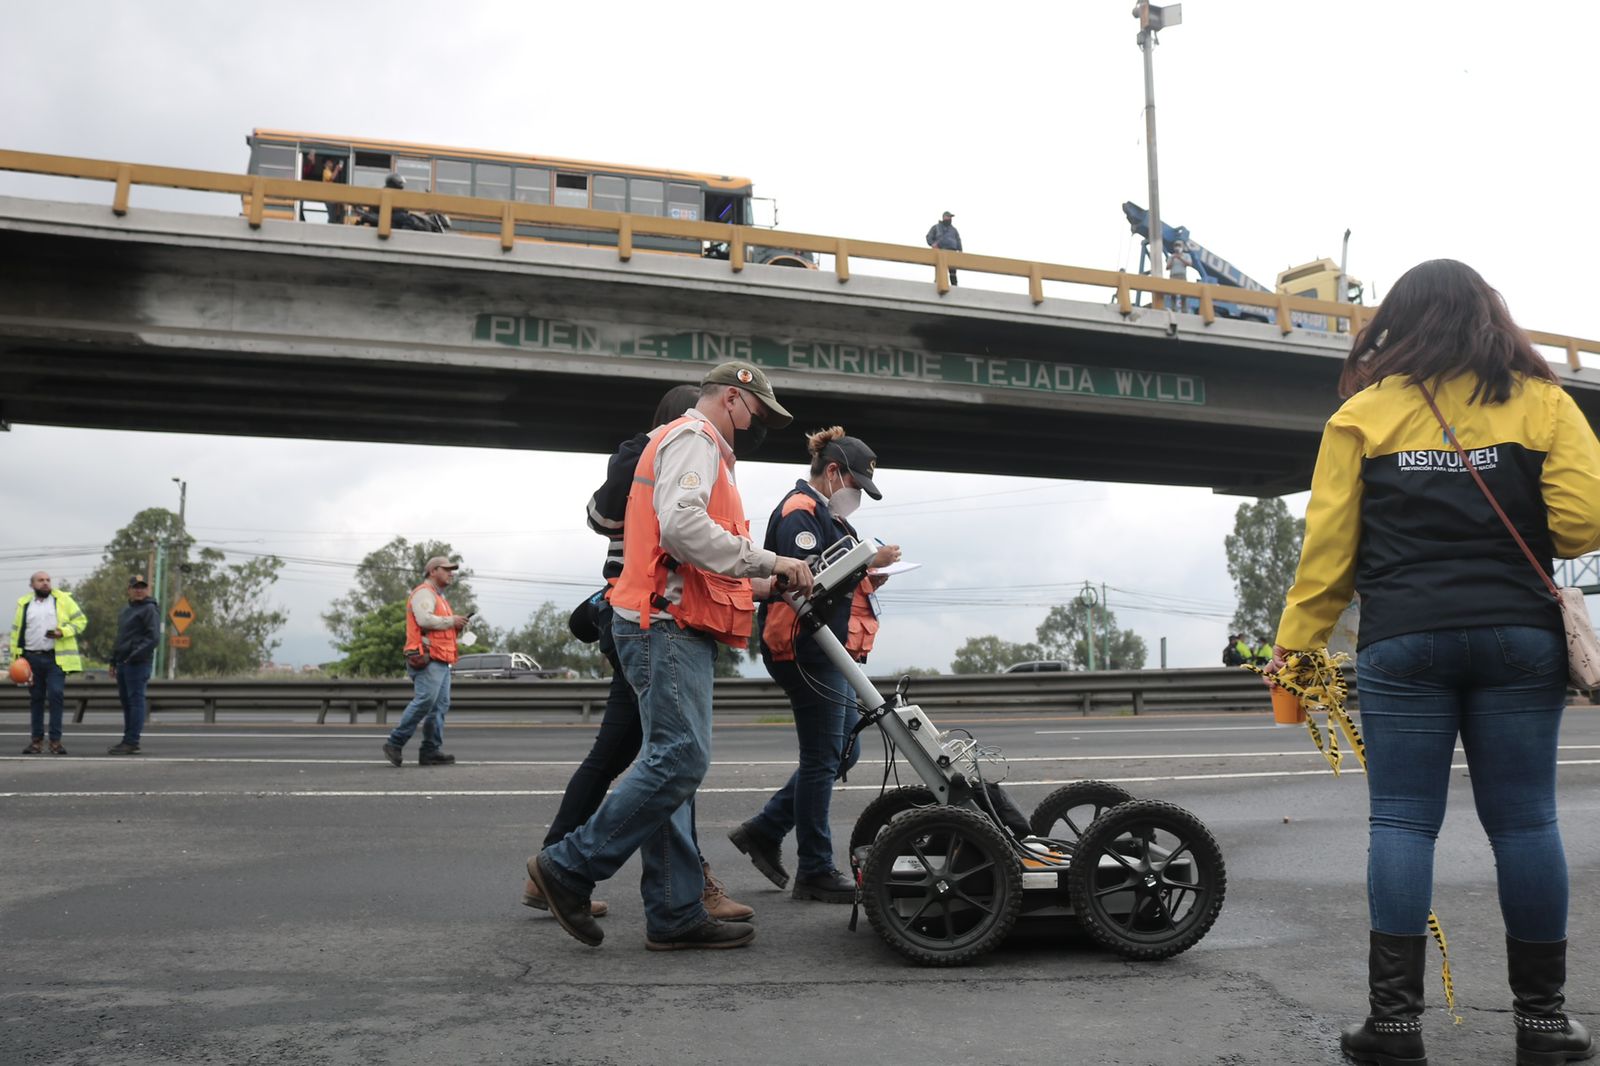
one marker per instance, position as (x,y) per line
(844,500)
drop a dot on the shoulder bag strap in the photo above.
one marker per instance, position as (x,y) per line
(1451,435)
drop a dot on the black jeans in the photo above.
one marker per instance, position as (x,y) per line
(614,748)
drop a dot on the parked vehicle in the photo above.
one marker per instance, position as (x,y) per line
(506,666)
(1038,666)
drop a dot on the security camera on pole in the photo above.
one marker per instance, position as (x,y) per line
(1152,20)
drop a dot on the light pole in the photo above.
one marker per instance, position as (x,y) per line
(177,579)
(1152,20)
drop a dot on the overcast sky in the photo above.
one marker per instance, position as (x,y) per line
(1429,130)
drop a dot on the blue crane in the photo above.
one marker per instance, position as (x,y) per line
(1211,269)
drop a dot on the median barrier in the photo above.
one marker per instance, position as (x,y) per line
(1069,692)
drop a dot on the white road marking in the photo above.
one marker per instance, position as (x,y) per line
(97,760)
(1155,729)
(448,793)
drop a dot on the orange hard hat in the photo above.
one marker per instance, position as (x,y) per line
(21,672)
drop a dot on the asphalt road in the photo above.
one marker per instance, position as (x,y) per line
(280,894)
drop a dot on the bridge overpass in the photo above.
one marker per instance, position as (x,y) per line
(151,320)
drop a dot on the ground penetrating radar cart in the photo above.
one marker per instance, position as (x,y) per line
(945,869)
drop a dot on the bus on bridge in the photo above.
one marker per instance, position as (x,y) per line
(490,175)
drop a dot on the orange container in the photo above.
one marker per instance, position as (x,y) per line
(1286,707)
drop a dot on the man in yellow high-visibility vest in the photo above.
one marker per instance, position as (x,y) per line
(45,632)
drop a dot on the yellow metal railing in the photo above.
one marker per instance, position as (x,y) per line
(256,190)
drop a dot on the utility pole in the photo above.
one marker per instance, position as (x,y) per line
(177,579)
(1086,600)
(1105,628)
(1152,20)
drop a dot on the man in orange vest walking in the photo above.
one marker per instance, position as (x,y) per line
(431,629)
(686,586)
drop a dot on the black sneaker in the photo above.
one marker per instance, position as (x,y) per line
(708,935)
(828,887)
(435,758)
(765,853)
(393,753)
(123,749)
(567,907)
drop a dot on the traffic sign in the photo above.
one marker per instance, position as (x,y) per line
(182,615)
(179,642)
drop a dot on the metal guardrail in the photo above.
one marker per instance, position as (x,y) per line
(256,190)
(1135,691)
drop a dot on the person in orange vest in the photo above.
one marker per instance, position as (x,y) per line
(807,521)
(688,566)
(620,735)
(431,629)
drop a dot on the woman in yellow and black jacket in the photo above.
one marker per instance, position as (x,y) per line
(1458,634)
(810,518)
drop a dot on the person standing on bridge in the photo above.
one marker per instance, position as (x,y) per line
(45,631)
(621,734)
(943,234)
(1458,635)
(807,521)
(430,650)
(685,587)
(138,633)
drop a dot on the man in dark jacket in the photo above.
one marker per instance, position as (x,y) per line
(943,234)
(138,632)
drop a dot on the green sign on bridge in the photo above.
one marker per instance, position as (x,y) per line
(879,363)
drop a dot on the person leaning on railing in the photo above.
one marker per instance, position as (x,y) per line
(1458,634)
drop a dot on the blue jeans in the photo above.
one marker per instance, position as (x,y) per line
(427,708)
(49,687)
(822,720)
(132,680)
(1502,688)
(670,669)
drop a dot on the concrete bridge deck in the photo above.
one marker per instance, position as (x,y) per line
(199,323)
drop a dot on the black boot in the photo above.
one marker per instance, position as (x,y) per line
(1392,1034)
(1545,1035)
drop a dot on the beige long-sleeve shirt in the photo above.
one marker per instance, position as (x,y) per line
(687,464)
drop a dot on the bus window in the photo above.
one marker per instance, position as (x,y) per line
(417,172)
(726,207)
(274,161)
(644,196)
(683,202)
(533,185)
(371,168)
(610,194)
(572,190)
(494,181)
(453,177)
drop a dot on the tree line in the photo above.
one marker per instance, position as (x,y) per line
(236,626)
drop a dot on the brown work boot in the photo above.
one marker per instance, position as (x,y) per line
(56,748)
(35,748)
(566,906)
(717,903)
(532,897)
(708,934)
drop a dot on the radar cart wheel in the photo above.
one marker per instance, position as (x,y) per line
(942,886)
(878,814)
(1068,811)
(1147,880)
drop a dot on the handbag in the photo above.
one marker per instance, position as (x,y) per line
(1583,647)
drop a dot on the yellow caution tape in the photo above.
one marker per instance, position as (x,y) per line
(1317,677)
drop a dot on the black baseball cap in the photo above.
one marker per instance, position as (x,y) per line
(751,379)
(862,462)
(137,581)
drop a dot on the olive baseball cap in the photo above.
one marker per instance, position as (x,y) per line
(439,561)
(751,379)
